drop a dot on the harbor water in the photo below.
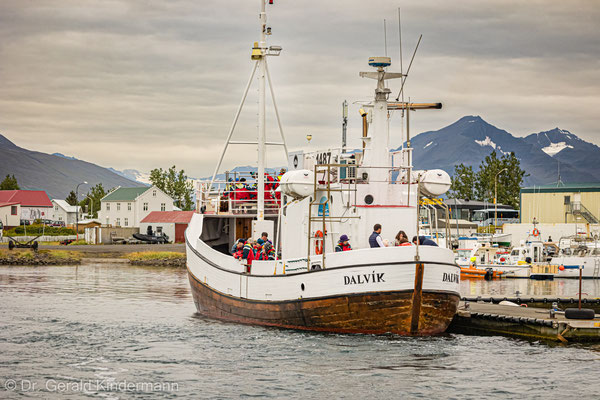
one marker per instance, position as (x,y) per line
(116,331)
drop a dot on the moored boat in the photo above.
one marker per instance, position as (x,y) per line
(408,290)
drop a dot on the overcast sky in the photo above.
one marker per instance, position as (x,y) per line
(151,83)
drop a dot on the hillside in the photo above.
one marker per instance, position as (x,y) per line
(470,139)
(56,174)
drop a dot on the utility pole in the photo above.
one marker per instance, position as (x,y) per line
(496,198)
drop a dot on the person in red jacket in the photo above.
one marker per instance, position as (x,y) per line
(343,244)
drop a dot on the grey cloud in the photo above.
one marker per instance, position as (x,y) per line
(140,84)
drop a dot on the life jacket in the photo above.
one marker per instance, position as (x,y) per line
(405,244)
(342,247)
(373,240)
(238,255)
(268,256)
(248,253)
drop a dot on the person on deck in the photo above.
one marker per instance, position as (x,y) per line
(402,239)
(375,238)
(267,252)
(343,244)
(264,237)
(423,241)
(237,246)
(248,253)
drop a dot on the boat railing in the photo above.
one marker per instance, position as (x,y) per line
(238,194)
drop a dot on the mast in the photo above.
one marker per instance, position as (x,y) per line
(377,148)
(262,134)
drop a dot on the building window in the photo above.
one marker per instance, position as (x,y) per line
(107,221)
(128,206)
(107,206)
(118,223)
(145,206)
(60,218)
(163,206)
(118,206)
(154,193)
(56,207)
(13,210)
(126,222)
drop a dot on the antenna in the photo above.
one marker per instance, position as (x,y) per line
(400,37)
(409,65)
(385,36)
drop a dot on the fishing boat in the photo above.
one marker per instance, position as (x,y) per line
(406,290)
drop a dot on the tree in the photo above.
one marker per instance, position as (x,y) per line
(71,198)
(481,185)
(9,183)
(510,181)
(96,193)
(463,182)
(175,184)
(484,184)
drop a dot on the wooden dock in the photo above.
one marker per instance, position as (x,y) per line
(542,302)
(525,322)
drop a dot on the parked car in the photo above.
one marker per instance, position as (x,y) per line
(25,222)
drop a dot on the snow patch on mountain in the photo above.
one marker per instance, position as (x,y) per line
(486,142)
(556,148)
(428,144)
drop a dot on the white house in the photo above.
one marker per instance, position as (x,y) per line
(10,214)
(64,212)
(126,207)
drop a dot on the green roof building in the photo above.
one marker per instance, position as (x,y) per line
(563,203)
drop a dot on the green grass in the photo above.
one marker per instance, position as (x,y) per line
(54,255)
(154,255)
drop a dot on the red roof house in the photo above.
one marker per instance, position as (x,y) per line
(26,198)
(172,223)
(174,217)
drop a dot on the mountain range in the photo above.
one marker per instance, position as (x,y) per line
(56,174)
(469,140)
(542,155)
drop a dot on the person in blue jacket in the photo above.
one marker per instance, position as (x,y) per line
(423,241)
(375,239)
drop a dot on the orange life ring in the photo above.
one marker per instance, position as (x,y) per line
(502,259)
(536,232)
(319,243)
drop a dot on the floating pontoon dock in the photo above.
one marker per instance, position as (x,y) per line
(525,322)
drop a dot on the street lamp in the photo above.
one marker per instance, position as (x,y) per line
(77,208)
(496,198)
(91,210)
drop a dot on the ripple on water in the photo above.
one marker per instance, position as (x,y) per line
(117,323)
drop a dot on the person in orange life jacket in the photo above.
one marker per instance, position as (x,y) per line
(267,252)
(423,241)
(343,244)
(402,239)
(375,238)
